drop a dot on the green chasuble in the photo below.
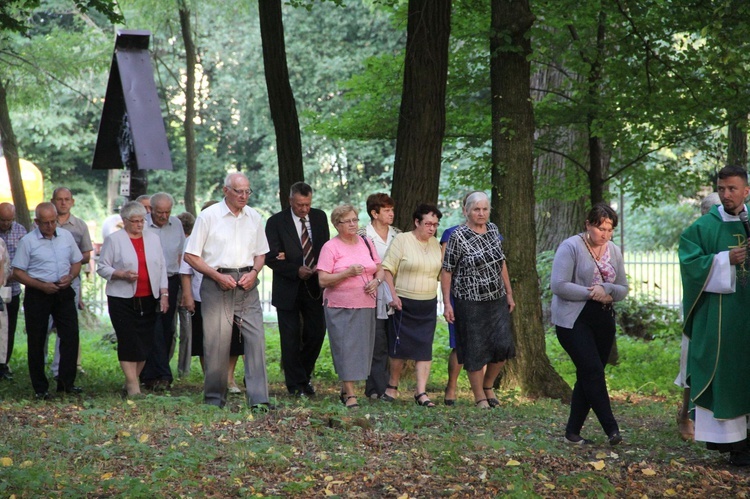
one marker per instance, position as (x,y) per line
(718,369)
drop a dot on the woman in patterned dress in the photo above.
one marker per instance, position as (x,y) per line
(476,274)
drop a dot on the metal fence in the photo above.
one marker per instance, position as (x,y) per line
(656,273)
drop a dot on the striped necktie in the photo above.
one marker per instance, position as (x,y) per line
(307,255)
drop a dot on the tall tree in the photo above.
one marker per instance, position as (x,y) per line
(421,124)
(189,123)
(12,160)
(280,98)
(513,192)
(737,139)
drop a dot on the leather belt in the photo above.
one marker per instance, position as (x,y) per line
(224,270)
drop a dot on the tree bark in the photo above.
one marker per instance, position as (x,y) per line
(513,194)
(189,124)
(421,124)
(280,98)
(12,161)
(556,219)
(737,139)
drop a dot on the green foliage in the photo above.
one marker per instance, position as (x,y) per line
(659,227)
(640,315)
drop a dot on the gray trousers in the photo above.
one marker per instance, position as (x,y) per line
(220,308)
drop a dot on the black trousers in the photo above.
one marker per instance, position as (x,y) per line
(12,308)
(38,307)
(157,364)
(302,330)
(379,376)
(588,343)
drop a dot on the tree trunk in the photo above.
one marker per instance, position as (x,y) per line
(189,124)
(12,162)
(737,138)
(513,194)
(556,219)
(280,98)
(421,124)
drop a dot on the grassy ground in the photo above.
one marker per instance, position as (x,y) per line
(171,445)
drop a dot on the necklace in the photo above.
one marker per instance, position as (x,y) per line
(596,254)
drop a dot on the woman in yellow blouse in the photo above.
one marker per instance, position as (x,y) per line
(412,268)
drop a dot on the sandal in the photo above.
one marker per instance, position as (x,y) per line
(447,401)
(345,400)
(492,401)
(424,403)
(480,401)
(387,398)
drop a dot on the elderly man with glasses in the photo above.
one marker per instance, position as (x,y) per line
(228,246)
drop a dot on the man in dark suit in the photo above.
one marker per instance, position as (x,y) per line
(295,236)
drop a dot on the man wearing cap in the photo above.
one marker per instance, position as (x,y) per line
(46,262)
(228,246)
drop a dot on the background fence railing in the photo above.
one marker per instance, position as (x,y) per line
(656,273)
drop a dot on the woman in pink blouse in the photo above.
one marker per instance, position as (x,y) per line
(349,271)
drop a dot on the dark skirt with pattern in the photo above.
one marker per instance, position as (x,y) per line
(196,346)
(351,335)
(483,332)
(411,330)
(134,320)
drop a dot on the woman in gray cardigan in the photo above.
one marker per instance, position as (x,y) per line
(588,275)
(133,264)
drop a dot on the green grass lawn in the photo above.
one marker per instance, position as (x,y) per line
(172,445)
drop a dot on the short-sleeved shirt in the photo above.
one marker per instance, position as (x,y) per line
(80,232)
(12,237)
(476,262)
(380,245)
(223,239)
(336,256)
(47,260)
(197,277)
(172,239)
(415,266)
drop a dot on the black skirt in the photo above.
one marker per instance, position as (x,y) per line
(134,320)
(411,330)
(483,333)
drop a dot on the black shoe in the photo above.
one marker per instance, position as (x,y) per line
(297,393)
(308,389)
(739,458)
(572,439)
(72,389)
(615,438)
(42,396)
(6,376)
(263,407)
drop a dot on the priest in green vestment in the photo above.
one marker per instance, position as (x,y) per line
(716,306)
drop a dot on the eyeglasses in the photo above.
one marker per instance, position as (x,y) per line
(431,224)
(350,221)
(240,192)
(136,222)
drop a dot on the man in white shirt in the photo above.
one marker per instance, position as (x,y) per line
(228,246)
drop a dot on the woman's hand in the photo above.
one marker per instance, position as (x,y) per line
(126,275)
(164,303)
(396,302)
(355,270)
(598,294)
(371,288)
(511,303)
(448,313)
